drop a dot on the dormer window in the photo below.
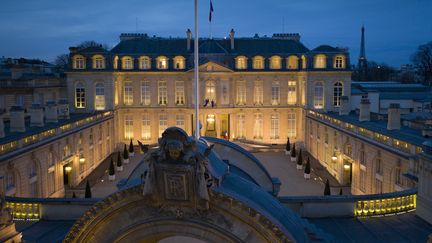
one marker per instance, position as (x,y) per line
(144,63)
(258,62)
(339,62)
(275,62)
(127,62)
(162,62)
(241,62)
(98,62)
(292,62)
(179,62)
(320,61)
(78,62)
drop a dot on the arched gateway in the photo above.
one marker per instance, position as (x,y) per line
(188,191)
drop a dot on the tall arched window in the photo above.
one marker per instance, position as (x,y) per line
(258,62)
(320,61)
(337,94)
(78,62)
(319,95)
(80,101)
(292,62)
(144,63)
(210,92)
(33,189)
(241,92)
(10,180)
(98,62)
(241,62)
(162,62)
(127,62)
(179,62)
(99,96)
(275,62)
(275,93)
(339,61)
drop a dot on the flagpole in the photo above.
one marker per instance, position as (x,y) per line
(197,124)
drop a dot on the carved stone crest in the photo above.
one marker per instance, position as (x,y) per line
(177,173)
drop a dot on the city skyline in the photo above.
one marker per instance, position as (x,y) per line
(46,29)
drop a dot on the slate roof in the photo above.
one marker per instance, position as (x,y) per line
(325,48)
(93,49)
(393,90)
(178,46)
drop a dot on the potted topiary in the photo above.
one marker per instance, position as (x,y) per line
(307,170)
(288,147)
(293,153)
(111,172)
(327,188)
(88,193)
(300,160)
(119,162)
(131,149)
(125,155)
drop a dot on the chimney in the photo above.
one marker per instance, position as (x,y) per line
(232,32)
(344,108)
(36,115)
(63,109)
(189,39)
(17,122)
(393,120)
(364,110)
(51,114)
(2,132)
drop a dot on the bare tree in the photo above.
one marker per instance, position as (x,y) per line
(91,43)
(61,62)
(422,60)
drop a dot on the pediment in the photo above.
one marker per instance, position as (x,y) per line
(212,67)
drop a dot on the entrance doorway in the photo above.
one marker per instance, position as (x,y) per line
(210,125)
(67,168)
(224,126)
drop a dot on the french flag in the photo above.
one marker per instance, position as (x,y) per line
(211,11)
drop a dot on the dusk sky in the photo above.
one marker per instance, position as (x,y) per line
(45,28)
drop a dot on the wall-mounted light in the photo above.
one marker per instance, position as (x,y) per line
(347,166)
(81,159)
(334,157)
(68,169)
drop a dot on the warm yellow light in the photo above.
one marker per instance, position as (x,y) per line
(82,160)
(334,157)
(347,167)
(68,168)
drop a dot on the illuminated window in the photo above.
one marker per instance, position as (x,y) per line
(304,62)
(275,93)
(145,93)
(78,62)
(274,126)
(241,93)
(241,62)
(275,62)
(98,62)
(258,62)
(162,62)
(292,62)
(180,122)
(292,93)
(241,126)
(128,93)
(162,93)
(163,124)
(210,93)
(362,180)
(146,127)
(127,62)
(179,93)
(339,62)
(319,95)
(99,96)
(80,101)
(144,63)
(292,125)
(179,62)
(128,127)
(337,94)
(320,61)
(258,93)
(258,126)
